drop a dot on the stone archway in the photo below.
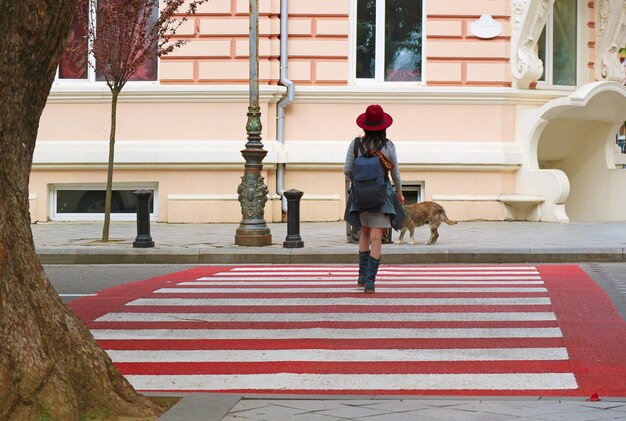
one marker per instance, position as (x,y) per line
(571,158)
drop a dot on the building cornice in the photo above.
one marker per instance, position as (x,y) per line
(426,95)
(73,93)
(352,94)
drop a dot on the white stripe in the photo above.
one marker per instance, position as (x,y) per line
(380,272)
(321,333)
(339,355)
(387,267)
(289,381)
(384,277)
(328,317)
(325,290)
(291,281)
(338,301)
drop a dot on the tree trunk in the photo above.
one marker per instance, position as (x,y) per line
(107,201)
(50,365)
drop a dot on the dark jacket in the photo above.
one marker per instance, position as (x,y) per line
(392,207)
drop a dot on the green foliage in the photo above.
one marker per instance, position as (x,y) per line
(44,415)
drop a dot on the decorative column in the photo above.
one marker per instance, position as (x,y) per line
(253,231)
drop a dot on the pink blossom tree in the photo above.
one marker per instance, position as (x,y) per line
(124,35)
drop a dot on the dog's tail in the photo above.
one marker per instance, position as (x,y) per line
(448,221)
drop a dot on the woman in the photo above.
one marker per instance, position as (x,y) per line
(372,222)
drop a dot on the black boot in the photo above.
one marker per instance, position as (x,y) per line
(364,257)
(370,277)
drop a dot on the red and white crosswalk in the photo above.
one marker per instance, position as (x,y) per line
(309,329)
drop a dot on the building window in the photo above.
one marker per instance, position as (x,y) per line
(558,44)
(75,64)
(79,202)
(413,192)
(389,40)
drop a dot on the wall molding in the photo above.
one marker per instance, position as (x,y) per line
(93,154)
(352,94)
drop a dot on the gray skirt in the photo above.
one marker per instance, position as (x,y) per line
(375,219)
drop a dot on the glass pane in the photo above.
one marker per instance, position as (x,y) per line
(411,193)
(403,40)
(148,69)
(92,201)
(564,43)
(366,39)
(541,53)
(73,61)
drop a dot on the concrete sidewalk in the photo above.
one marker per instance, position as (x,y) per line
(326,242)
(224,407)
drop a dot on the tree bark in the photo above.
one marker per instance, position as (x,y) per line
(50,365)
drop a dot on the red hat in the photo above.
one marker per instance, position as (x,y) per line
(374,119)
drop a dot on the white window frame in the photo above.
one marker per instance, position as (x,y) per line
(582,55)
(379,77)
(415,186)
(52,198)
(91,61)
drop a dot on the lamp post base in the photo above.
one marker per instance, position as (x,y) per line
(253,237)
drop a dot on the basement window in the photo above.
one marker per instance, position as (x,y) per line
(413,192)
(71,203)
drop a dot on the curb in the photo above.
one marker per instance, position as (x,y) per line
(328,255)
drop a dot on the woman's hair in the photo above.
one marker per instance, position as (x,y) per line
(377,138)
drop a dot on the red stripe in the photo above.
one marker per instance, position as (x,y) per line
(279,267)
(90,308)
(351,294)
(315,324)
(594,331)
(360,308)
(403,343)
(400,279)
(399,285)
(532,394)
(366,367)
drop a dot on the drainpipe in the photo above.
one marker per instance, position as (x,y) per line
(285,101)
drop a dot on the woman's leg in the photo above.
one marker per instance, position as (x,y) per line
(364,239)
(364,254)
(376,239)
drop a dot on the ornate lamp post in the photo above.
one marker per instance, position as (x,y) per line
(253,231)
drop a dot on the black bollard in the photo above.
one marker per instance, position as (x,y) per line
(293,239)
(143,240)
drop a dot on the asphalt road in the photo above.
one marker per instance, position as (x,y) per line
(612,278)
(74,281)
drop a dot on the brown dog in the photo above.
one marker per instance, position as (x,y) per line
(422,213)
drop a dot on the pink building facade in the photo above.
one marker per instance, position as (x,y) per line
(503,109)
